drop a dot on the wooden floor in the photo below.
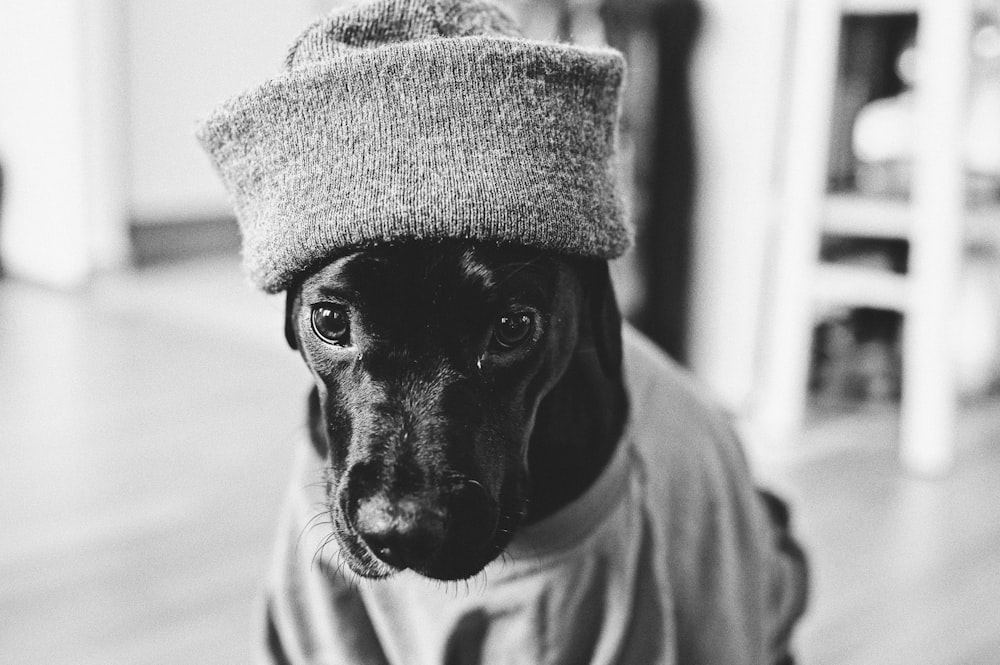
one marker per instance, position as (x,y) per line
(905,570)
(147,425)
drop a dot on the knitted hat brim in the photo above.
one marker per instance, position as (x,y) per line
(482,138)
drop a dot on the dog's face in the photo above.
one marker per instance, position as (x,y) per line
(430,363)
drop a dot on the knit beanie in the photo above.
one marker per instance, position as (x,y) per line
(403,120)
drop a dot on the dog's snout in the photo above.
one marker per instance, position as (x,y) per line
(405,534)
(472,512)
(431,523)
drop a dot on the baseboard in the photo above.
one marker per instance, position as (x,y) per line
(162,241)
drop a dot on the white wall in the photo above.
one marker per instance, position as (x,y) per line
(100,99)
(63,216)
(184,57)
(737,85)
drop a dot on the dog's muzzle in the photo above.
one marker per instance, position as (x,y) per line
(440,528)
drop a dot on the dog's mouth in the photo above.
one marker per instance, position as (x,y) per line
(445,534)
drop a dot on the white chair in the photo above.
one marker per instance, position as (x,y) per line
(933,221)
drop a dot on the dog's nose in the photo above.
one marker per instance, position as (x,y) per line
(405,534)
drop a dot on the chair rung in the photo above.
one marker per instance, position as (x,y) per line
(862,216)
(856,286)
(879,6)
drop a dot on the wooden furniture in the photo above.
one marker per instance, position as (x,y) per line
(933,222)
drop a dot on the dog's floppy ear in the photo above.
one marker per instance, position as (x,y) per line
(291,298)
(603,322)
(317,429)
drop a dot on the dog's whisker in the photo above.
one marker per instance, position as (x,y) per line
(338,564)
(319,519)
(317,516)
(320,523)
(506,559)
(302,533)
(318,555)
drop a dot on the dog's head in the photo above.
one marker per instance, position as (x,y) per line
(448,378)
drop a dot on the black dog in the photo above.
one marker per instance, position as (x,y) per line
(473,400)
(461,391)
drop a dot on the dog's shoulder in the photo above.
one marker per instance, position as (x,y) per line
(668,399)
(685,440)
(723,550)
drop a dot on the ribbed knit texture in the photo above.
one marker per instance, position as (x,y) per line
(407,120)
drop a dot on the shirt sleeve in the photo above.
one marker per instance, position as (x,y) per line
(788,579)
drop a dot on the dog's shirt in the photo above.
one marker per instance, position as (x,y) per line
(670,557)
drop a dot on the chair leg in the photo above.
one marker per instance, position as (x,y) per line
(929,400)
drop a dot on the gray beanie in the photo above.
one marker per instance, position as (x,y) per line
(406,120)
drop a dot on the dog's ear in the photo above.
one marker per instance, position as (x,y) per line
(602,322)
(291,310)
(317,429)
(580,421)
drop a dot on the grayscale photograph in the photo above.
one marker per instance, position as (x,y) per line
(500,332)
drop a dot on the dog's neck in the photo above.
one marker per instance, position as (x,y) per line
(577,430)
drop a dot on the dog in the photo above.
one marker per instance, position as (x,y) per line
(498,469)
(466,394)
(460,392)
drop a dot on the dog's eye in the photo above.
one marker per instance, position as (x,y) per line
(512,329)
(331,323)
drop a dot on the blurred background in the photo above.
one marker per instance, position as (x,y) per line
(815,188)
